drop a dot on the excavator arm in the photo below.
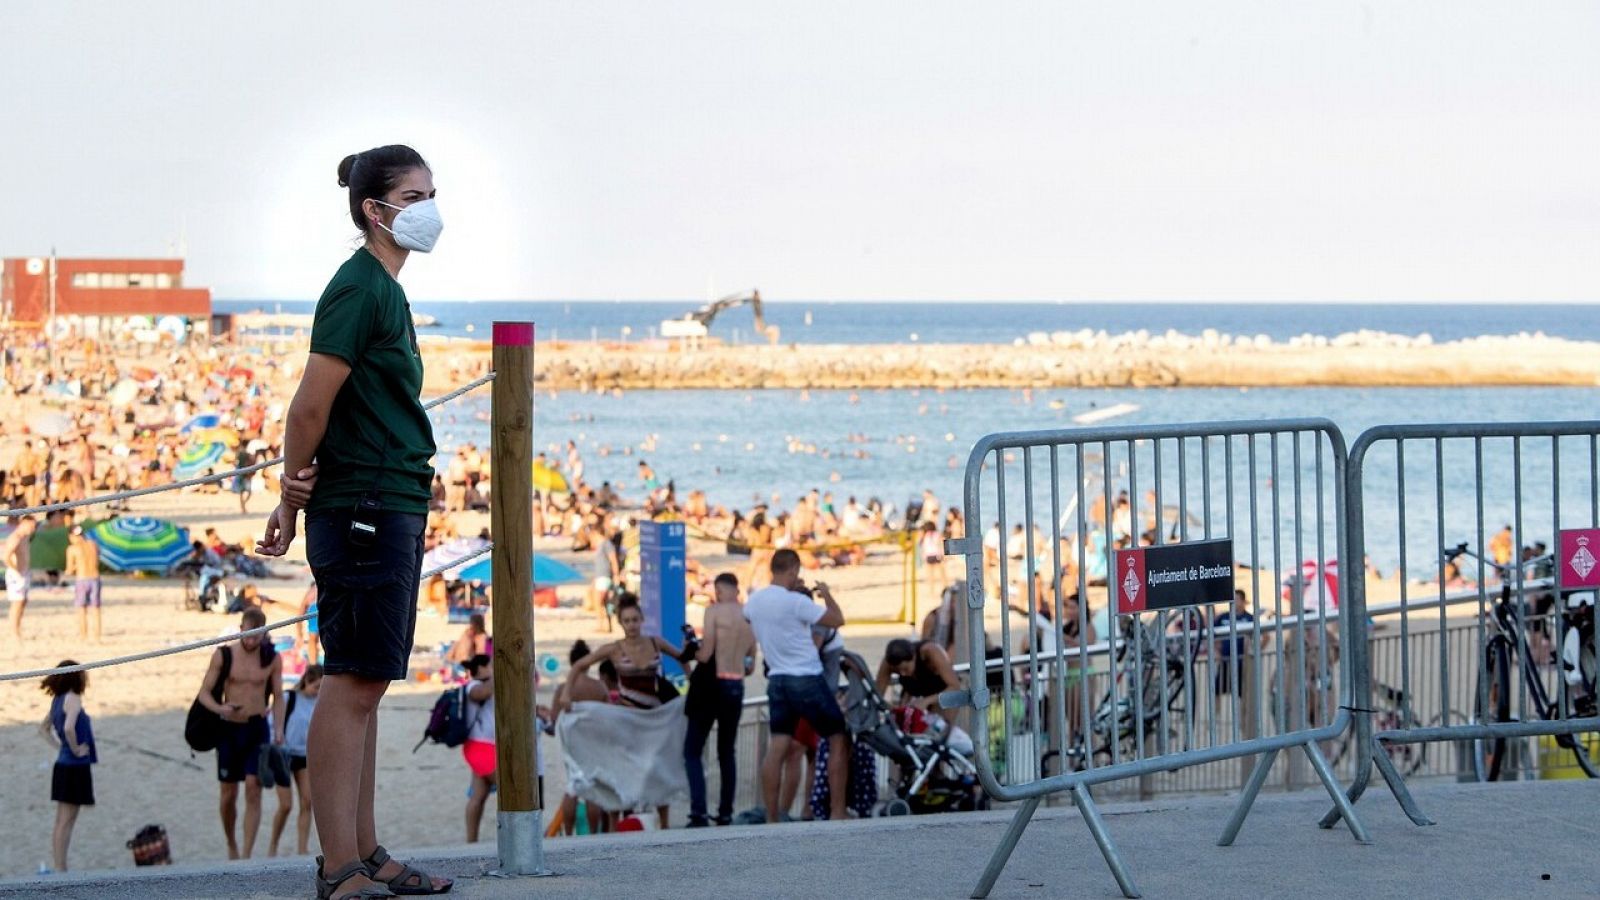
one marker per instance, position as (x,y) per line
(705,315)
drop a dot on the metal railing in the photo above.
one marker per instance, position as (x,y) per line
(1274,488)
(1456,477)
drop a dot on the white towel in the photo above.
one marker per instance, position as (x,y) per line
(621,758)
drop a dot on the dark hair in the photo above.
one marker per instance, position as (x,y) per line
(253,617)
(627,600)
(785,560)
(729,579)
(475,622)
(580,649)
(372,174)
(312,673)
(899,651)
(66,683)
(608,670)
(476,664)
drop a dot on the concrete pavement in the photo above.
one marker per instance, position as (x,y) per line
(1534,840)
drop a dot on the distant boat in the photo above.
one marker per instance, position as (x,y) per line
(1100,415)
(423,320)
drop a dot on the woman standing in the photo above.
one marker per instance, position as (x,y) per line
(298,706)
(358,452)
(68,728)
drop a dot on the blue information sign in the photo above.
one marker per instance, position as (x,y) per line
(662,561)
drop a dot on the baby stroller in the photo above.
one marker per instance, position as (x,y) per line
(932,777)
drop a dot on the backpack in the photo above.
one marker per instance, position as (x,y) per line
(448,724)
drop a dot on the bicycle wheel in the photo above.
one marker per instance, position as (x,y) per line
(1577,701)
(1491,704)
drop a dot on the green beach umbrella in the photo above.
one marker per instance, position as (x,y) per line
(195,459)
(137,543)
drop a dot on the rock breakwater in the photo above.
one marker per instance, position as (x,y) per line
(1066,360)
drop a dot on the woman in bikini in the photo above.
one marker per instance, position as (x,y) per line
(637,659)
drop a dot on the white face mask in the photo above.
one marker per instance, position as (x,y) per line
(416,227)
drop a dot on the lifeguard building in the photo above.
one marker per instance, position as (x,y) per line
(98,297)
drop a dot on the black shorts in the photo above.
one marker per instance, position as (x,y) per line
(791,698)
(239,749)
(296,763)
(72,784)
(366,596)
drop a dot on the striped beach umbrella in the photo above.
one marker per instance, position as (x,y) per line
(196,459)
(139,544)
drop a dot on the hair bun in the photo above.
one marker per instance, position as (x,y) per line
(345,165)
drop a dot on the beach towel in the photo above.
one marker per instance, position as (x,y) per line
(621,758)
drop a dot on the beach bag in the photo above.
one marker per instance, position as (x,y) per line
(447,724)
(150,847)
(203,728)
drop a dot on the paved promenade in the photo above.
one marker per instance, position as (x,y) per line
(1528,840)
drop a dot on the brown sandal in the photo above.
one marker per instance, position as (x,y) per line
(328,886)
(411,881)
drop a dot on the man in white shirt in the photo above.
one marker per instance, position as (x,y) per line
(782,615)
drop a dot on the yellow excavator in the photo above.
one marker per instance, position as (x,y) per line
(697,324)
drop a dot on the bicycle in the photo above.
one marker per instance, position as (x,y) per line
(1509,645)
(1150,650)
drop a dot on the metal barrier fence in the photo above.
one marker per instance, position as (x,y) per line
(1529,657)
(1275,489)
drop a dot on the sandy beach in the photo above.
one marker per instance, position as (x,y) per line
(148,775)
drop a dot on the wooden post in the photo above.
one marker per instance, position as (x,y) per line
(520,834)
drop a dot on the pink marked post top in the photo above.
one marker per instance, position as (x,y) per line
(513,334)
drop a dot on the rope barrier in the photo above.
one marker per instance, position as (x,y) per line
(210,642)
(207,479)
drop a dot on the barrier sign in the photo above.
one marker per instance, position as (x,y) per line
(1578,563)
(1196,573)
(661,585)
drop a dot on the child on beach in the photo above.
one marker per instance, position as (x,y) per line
(67,728)
(298,704)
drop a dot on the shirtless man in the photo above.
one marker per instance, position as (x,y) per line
(17,554)
(83,565)
(728,649)
(254,684)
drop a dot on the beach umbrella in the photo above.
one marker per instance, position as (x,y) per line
(196,459)
(546,571)
(548,480)
(201,422)
(455,548)
(219,435)
(241,373)
(139,544)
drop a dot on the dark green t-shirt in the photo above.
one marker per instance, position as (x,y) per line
(363,318)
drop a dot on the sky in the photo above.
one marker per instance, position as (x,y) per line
(1175,151)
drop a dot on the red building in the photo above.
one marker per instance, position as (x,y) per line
(94,296)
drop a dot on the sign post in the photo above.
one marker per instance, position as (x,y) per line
(663,559)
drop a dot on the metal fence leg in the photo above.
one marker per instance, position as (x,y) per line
(1397,785)
(1008,843)
(1325,772)
(1258,777)
(1102,837)
(1357,788)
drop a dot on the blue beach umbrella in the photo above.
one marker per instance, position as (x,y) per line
(201,422)
(197,458)
(139,544)
(546,572)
